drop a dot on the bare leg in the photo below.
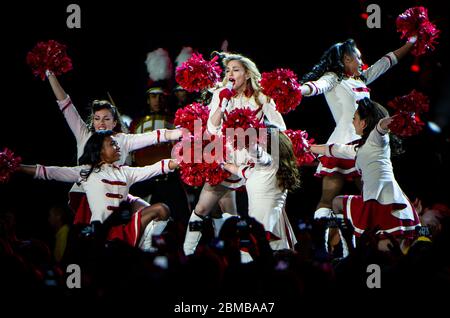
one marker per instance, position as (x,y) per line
(155,212)
(227,203)
(331,186)
(209,198)
(153,222)
(138,204)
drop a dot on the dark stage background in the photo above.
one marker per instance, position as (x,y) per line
(108,55)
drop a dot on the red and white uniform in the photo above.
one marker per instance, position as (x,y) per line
(267,109)
(107,188)
(126,142)
(342,97)
(266,200)
(383,202)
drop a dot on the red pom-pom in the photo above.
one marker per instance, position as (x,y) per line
(244,118)
(414,102)
(301,145)
(406,124)
(406,119)
(426,39)
(8,164)
(197,74)
(50,56)
(241,118)
(415,22)
(282,86)
(185,117)
(202,164)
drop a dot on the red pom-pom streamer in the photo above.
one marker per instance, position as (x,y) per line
(244,118)
(207,168)
(301,145)
(414,102)
(406,119)
(50,56)
(282,86)
(414,22)
(241,118)
(185,117)
(197,74)
(406,124)
(8,164)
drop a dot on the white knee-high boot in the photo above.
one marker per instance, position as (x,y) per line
(153,228)
(218,223)
(192,237)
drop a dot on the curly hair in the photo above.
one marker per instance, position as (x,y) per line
(331,61)
(92,152)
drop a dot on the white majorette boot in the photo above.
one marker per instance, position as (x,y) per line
(192,237)
(218,223)
(153,228)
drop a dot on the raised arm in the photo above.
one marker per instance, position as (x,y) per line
(387,61)
(137,141)
(406,48)
(73,118)
(59,92)
(64,174)
(324,84)
(379,135)
(335,150)
(137,174)
(242,171)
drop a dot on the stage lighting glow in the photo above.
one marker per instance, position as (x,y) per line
(434,127)
(415,68)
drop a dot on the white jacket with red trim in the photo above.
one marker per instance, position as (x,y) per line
(107,188)
(342,96)
(126,142)
(267,109)
(373,160)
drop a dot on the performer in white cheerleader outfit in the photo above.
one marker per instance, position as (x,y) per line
(242,76)
(106,185)
(268,182)
(382,202)
(105,116)
(339,76)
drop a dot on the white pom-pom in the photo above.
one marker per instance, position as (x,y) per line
(159,65)
(185,54)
